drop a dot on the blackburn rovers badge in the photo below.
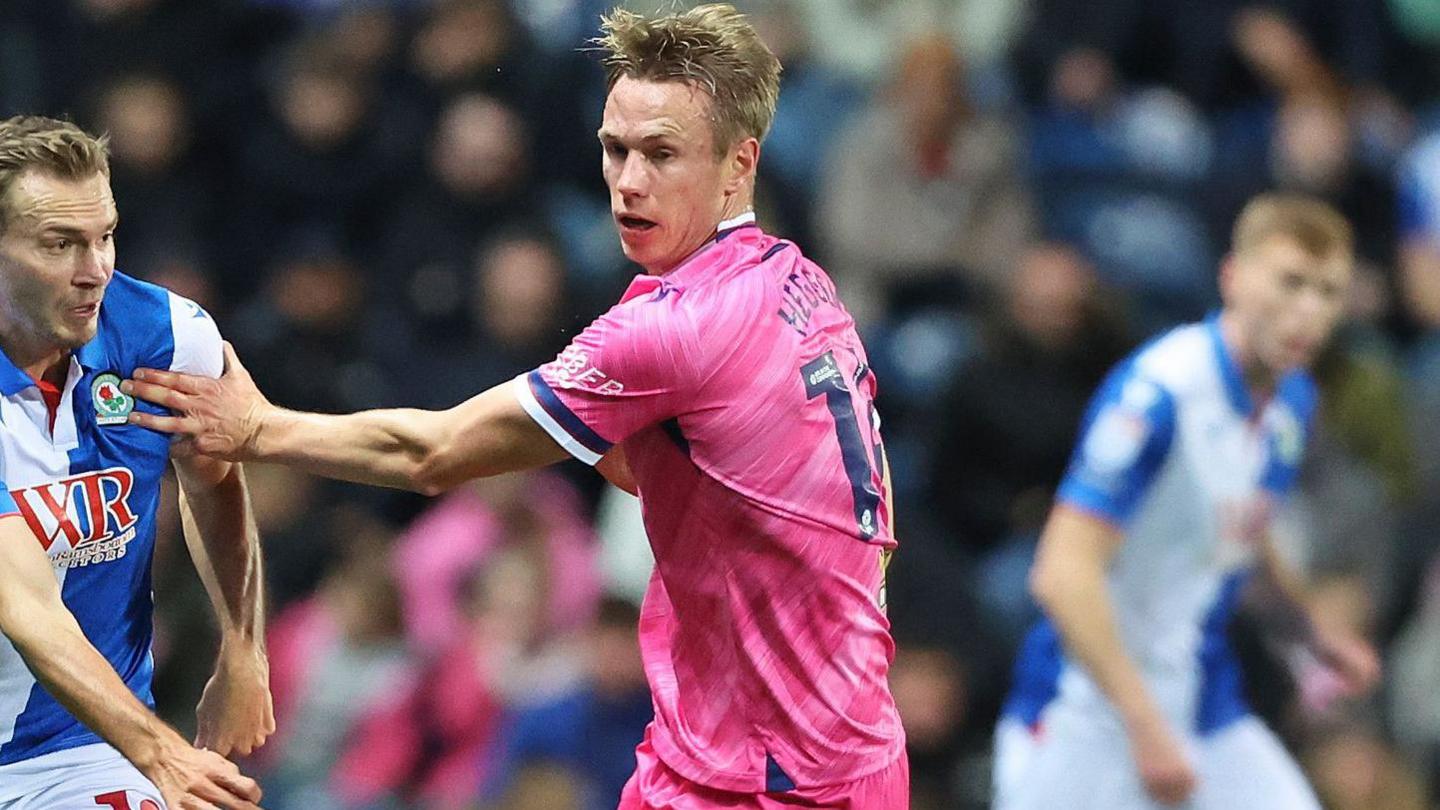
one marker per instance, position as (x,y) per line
(112,406)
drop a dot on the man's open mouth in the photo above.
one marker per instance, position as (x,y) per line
(633,222)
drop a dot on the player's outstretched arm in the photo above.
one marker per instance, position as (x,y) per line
(425,451)
(55,649)
(1070,582)
(236,711)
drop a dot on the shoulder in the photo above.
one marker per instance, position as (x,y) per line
(730,279)
(1177,359)
(134,324)
(146,324)
(134,304)
(1131,392)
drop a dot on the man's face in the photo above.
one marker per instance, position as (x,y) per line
(667,188)
(1288,300)
(57,254)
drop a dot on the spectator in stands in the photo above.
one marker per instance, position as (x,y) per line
(151,135)
(593,729)
(511,317)
(334,658)
(922,183)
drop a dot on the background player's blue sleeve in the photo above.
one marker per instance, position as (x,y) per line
(1125,438)
(7,502)
(1288,425)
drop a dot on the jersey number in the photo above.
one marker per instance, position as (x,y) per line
(823,377)
(119,801)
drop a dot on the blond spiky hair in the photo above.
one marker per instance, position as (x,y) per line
(1315,225)
(50,146)
(712,47)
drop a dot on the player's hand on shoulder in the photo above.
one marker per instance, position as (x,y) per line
(1162,762)
(192,778)
(236,712)
(214,417)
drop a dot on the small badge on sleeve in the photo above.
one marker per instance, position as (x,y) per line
(112,406)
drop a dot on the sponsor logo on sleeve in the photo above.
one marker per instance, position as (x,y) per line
(1118,436)
(573,369)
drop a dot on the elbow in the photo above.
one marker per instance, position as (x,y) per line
(1047,582)
(438,471)
(427,477)
(1041,586)
(26,617)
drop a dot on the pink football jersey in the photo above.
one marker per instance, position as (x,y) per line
(737,386)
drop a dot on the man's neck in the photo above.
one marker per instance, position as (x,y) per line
(1257,377)
(40,362)
(728,219)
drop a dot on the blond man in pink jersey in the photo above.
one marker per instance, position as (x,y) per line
(729,390)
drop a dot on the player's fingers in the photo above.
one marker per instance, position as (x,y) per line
(157,393)
(162,423)
(239,786)
(1177,789)
(1167,787)
(209,794)
(187,383)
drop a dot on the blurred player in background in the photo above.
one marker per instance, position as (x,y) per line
(1158,524)
(732,381)
(82,485)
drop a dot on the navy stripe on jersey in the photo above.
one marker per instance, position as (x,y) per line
(775,248)
(565,417)
(776,780)
(672,429)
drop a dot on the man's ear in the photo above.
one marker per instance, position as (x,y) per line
(1228,271)
(741,164)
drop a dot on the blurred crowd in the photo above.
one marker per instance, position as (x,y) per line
(398,202)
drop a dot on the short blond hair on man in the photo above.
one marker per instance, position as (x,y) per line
(713,47)
(1316,226)
(50,146)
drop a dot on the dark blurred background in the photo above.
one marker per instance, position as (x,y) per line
(400,202)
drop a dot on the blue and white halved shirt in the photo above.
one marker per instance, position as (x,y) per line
(88,490)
